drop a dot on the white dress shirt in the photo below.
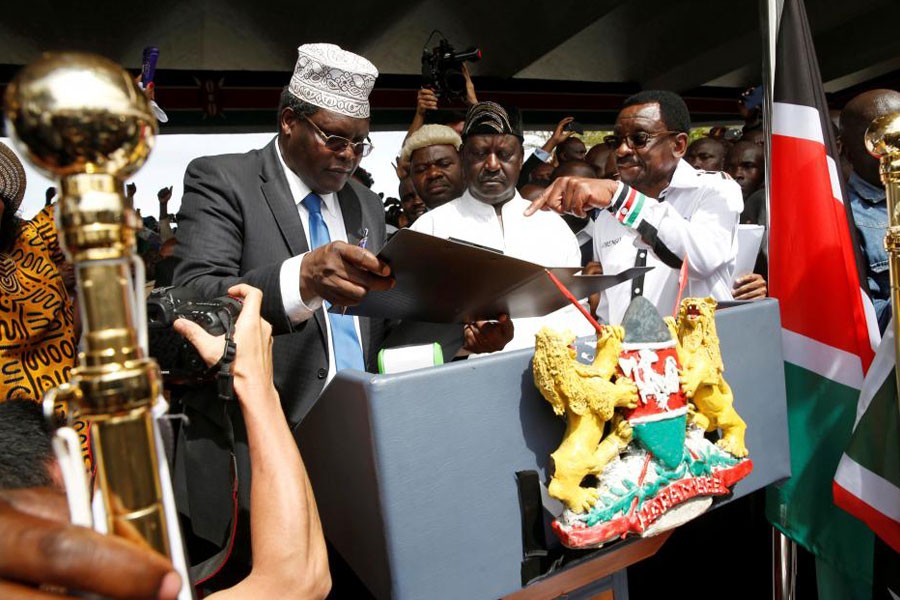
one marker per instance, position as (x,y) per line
(696,215)
(295,307)
(543,238)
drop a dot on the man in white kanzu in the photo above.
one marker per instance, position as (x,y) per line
(661,213)
(491,212)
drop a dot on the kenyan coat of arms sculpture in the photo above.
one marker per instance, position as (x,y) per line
(635,421)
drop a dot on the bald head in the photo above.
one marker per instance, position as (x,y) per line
(856,117)
(575,168)
(541,174)
(570,149)
(597,156)
(754,136)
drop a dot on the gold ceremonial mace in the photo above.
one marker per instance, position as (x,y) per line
(81,119)
(883,142)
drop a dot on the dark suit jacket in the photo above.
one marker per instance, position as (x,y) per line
(237,224)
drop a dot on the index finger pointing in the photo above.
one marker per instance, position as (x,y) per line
(547,200)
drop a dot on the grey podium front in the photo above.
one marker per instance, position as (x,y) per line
(414,473)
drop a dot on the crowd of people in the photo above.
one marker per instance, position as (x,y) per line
(293,228)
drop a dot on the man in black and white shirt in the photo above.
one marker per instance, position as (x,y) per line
(662,212)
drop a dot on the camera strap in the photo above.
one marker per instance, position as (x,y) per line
(224,375)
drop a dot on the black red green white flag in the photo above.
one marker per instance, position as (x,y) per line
(829,331)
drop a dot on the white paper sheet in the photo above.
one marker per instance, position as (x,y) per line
(749,239)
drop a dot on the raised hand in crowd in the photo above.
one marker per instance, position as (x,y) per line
(560,134)
(543,155)
(164,195)
(165,227)
(471,97)
(426,100)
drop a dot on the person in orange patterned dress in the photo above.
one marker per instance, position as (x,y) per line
(38,345)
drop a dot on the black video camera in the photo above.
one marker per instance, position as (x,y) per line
(442,69)
(178,359)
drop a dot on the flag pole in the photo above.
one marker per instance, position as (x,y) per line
(784,549)
(883,142)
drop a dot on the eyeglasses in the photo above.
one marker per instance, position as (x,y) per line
(636,140)
(337,143)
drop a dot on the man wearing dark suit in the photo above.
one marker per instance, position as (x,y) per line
(243,219)
(288,220)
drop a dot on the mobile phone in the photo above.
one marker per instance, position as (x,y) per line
(574,126)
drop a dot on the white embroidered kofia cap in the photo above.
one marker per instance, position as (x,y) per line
(334,79)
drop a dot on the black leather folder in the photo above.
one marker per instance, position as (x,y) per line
(451,281)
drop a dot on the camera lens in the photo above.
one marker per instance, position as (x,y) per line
(454,82)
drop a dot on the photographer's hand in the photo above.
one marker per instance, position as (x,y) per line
(471,98)
(286,534)
(253,371)
(252,340)
(426,100)
(209,347)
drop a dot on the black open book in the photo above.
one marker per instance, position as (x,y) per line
(450,281)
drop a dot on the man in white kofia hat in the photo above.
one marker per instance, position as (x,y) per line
(288,219)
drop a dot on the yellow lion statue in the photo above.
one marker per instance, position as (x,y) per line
(588,398)
(701,373)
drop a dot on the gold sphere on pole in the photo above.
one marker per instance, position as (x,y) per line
(82,120)
(883,142)
(78,113)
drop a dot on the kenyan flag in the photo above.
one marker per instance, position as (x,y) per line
(867,483)
(828,325)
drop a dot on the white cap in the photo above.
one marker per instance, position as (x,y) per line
(334,79)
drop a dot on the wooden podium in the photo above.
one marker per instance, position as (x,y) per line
(414,473)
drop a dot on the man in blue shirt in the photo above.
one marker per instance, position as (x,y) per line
(866,192)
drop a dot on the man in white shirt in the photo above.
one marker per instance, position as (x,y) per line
(660,214)
(490,211)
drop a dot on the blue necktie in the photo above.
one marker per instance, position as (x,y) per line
(347,351)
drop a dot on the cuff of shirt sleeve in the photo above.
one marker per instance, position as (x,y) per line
(628,205)
(295,308)
(542,154)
